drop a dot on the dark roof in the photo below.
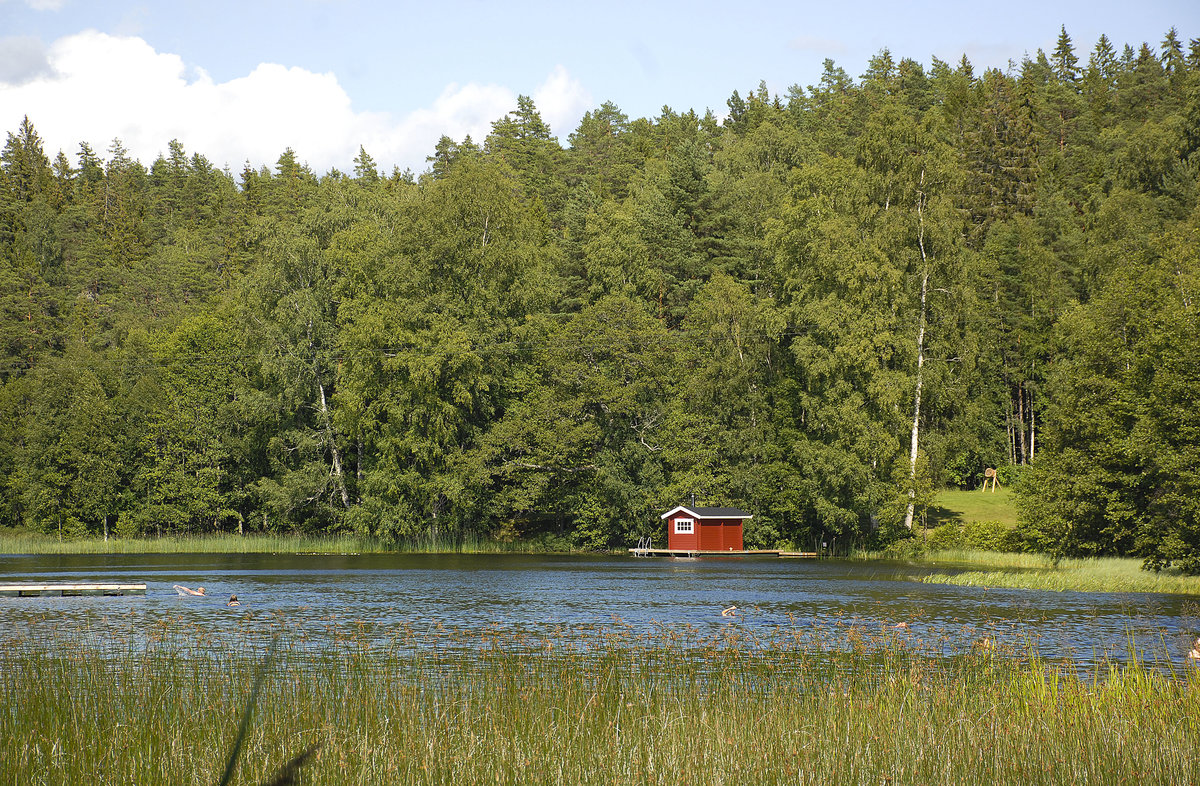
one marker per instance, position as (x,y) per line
(709,513)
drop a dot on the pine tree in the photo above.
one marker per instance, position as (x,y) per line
(1172,53)
(26,168)
(1103,60)
(602,154)
(1066,64)
(364,167)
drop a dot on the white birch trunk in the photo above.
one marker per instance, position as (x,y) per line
(1032,428)
(916,426)
(1021,422)
(337,457)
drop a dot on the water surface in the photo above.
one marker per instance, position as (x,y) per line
(324,596)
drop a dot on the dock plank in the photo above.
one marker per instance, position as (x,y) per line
(28,590)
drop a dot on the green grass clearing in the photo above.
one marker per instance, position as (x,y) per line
(957,506)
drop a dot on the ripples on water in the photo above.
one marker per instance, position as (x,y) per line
(474,602)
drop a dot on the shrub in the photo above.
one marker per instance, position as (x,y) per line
(980,535)
(906,548)
(1009,474)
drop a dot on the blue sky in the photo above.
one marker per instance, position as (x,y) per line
(243,80)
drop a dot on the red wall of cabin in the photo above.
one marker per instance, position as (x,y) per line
(709,535)
(682,541)
(721,535)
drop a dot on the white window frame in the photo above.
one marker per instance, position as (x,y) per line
(685,526)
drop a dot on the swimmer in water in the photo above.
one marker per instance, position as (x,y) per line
(233,601)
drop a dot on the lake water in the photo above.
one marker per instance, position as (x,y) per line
(324,596)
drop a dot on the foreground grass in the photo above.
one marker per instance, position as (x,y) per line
(23,542)
(1030,571)
(617,710)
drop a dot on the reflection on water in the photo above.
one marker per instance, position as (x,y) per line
(319,598)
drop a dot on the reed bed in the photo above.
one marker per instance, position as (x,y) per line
(1040,571)
(24,542)
(1109,574)
(673,706)
(975,557)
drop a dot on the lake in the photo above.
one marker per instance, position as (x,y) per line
(324,596)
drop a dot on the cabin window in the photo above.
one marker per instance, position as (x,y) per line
(684,526)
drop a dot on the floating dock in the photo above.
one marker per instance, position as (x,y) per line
(67,590)
(652,552)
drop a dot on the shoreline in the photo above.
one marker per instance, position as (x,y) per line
(35,544)
(959,567)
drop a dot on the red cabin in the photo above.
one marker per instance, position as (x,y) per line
(690,528)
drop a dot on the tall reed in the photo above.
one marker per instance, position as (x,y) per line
(22,542)
(1105,574)
(607,706)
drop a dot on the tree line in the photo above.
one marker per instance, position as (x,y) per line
(820,307)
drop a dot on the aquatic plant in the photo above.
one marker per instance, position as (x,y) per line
(607,704)
(1105,574)
(24,542)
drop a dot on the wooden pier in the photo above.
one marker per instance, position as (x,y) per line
(67,590)
(652,552)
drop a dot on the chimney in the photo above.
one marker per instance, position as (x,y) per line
(693,500)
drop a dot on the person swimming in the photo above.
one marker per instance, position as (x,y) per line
(182,590)
(233,601)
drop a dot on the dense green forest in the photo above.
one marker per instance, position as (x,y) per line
(820,307)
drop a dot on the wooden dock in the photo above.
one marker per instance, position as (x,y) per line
(652,552)
(67,590)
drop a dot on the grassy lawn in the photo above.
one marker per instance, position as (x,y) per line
(954,505)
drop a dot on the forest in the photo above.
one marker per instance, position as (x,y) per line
(821,307)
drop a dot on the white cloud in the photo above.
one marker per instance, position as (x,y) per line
(562,101)
(97,87)
(22,58)
(460,110)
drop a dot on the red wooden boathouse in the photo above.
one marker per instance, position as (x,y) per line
(690,528)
